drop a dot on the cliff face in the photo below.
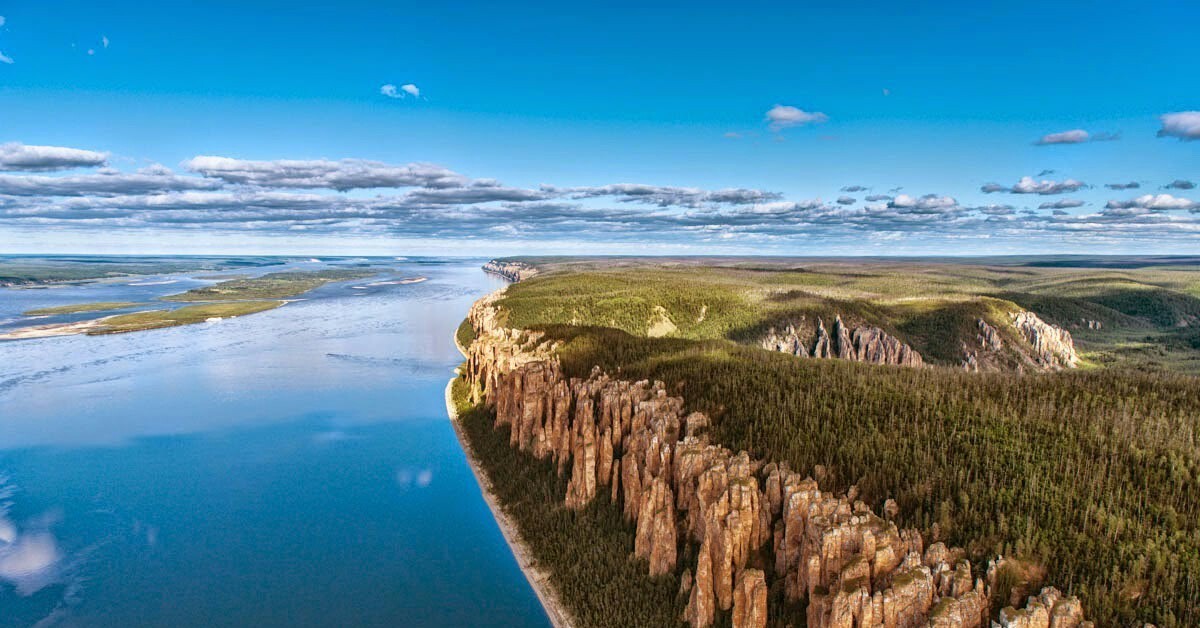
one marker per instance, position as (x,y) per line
(862,344)
(1052,345)
(631,443)
(512,271)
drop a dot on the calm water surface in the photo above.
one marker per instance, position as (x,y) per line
(290,468)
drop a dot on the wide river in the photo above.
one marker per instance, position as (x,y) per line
(290,468)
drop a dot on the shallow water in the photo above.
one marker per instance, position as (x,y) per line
(293,467)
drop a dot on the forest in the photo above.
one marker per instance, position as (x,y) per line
(1090,478)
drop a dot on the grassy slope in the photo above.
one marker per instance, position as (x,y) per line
(187,315)
(1095,475)
(100,306)
(933,307)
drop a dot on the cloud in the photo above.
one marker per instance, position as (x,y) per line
(665,196)
(1184,125)
(854,188)
(103,184)
(1066,203)
(846,200)
(1075,136)
(341,175)
(404,91)
(1029,185)
(1180,184)
(1132,185)
(5,59)
(104,41)
(733,135)
(784,116)
(1157,202)
(21,157)
(2,20)
(927,203)
(876,198)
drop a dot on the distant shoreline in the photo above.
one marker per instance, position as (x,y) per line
(538,580)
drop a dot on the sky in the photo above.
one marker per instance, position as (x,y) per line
(878,128)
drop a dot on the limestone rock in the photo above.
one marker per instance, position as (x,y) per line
(1052,345)
(512,271)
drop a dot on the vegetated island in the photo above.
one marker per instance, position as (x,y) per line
(280,285)
(227,299)
(754,485)
(78,308)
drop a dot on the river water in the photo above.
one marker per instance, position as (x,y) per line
(289,468)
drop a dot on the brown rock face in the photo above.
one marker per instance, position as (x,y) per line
(862,344)
(631,442)
(750,600)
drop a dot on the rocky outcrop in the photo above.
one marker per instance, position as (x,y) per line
(1052,346)
(512,271)
(861,344)
(631,443)
(987,343)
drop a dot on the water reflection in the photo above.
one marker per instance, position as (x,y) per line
(289,468)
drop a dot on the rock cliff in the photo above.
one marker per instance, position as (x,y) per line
(512,271)
(862,344)
(631,443)
(1052,345)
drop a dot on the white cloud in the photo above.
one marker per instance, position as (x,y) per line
(344,174)
(2,20)
(18,156)
(104,40)
(408,89)
(5,59)
(1074,136)
(1183,124)
(1029,185)
(783,116)
(1155,202)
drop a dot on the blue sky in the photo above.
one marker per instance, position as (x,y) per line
(540,109)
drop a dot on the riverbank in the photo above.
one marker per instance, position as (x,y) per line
(538,579)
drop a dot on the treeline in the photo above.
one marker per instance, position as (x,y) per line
(1093,476)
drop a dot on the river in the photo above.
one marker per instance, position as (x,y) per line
(290,468)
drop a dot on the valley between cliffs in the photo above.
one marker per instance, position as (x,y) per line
(744,541)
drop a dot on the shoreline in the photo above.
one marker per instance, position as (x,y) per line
(538,580)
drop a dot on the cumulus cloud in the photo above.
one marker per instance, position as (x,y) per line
(1180,184)
(1066,203)
(1158,202)
(665,196)
(1075,136)
(781,117)
(341,175)
(1184,125)
(22,157)
(855,188)
(927,203)
(1029,185)
(102,184)
(876,198)
(1132,185)
(846,200)
(404,91)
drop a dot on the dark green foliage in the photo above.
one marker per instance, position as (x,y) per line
(465,334)
(1093,475)
(588,552)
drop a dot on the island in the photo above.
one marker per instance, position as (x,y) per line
(843,443)
(226,299)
